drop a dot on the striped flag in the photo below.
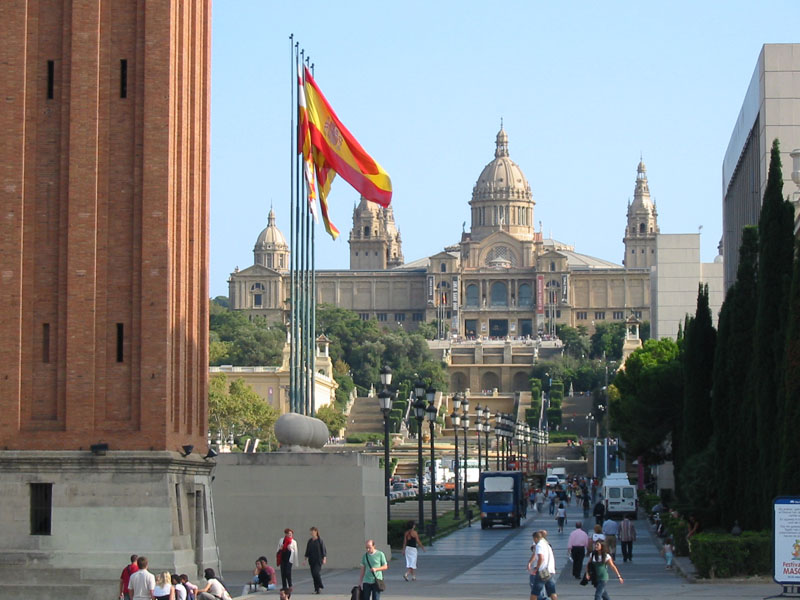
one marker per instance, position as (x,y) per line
(304,146)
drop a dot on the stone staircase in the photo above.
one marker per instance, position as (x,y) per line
(365,416)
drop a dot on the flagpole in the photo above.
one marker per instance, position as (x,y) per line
(313,313)
(308,334)
(292,258)
(298,245)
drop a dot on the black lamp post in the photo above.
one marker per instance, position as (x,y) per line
(487,428)
(465,426)
(478,428)
(419,413)
(385,399)
(498,429)
(430,414)
(456,418)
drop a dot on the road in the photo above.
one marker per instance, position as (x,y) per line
(472,563)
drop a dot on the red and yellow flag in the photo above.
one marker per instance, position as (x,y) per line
(304,146)
(338,151)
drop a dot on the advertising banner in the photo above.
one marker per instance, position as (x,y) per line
(540,294)
(786,540)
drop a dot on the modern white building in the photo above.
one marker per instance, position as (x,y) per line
(771,109)
(674,281)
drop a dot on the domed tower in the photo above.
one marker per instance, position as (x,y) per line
(375,242)
(642,227)
(502,199)
(271,249)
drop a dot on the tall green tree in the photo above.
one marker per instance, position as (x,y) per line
(790,441)
(607,340)
(698,368)
(236,410)
(734,451)
(775,249)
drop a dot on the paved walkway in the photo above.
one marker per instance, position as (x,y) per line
(472,563)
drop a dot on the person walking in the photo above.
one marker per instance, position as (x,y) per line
(539,501)
(600,561)
(542,568)
(610,530)
(287,556)
(129,570)
(373,564)
(142,582)
(627,535)
(411,542)
(561,516)
(668,551)
(577,545)
(599,512)
(587,505)
(316,556)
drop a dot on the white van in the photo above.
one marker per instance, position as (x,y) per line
(619,496)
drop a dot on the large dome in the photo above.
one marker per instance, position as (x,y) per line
(271,238)
(502,179)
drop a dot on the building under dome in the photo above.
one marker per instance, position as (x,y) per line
(502,281)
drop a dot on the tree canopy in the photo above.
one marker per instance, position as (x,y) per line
(235,410)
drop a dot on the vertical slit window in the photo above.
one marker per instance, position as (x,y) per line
(120,341)
(180,510)
(51,78)
(46,342)
(205,510)
(41,508)
(123,78)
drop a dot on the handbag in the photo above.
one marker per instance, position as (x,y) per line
(379,583)
(544,574)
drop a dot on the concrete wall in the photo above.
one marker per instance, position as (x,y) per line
(258,495)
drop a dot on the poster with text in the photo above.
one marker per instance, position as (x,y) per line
(786,549)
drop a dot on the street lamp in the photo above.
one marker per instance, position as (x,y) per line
(465,425)
(498,430)
(430,413)
(419,412)
(487,428)
(456,418)
(479,428)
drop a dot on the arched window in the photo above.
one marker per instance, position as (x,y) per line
(366,231)
(641,227)
(499,294)
(525,295)
(472,295)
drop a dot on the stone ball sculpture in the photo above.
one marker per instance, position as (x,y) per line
(297,433)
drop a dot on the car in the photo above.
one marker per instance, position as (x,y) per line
(551,481)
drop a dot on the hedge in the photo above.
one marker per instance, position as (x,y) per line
(677,529)
(360,438)
(560,437)
(648,501)
(726,555)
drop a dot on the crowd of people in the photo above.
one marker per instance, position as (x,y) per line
(138,583)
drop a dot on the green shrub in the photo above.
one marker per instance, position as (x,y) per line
(647,501)
(559,437)
(394,532)
(677,529)
(361,438)
(725,555)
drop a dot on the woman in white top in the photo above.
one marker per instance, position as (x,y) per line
(287,552)
(180,590)
(561,517)
(164,589)
(213,590)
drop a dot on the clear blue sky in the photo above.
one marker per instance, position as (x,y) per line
(583,89)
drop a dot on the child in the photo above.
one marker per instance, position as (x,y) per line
(667,552)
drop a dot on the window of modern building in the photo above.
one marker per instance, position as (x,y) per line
(499,294)
(599,315)
(41,505)
(381,316)
(525,295)
(619,315)
(399,317)
(472,294)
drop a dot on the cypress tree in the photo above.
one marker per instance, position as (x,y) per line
(732,407)
(775,248)
(698,368)
(790,440)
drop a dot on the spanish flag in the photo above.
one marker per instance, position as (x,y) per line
(304,147)
(337,150)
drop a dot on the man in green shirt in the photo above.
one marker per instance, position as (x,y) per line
(373,563)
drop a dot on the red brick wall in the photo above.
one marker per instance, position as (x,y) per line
(104,222)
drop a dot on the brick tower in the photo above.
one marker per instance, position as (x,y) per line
(104,286)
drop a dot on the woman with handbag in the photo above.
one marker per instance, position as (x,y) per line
(599,562)
(373,564)
(286,557)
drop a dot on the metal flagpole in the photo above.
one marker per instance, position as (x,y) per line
(296,296)
(313,304)
(292,297)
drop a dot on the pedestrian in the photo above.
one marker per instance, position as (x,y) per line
(316,556)
(600,560)
(141,583)
(577,545)
(373,564)
(164,589)
(610,530)
(539,501)
(129,570)
(287,556)
(599,512)
(542,568)
(668,550)
(551,496)
(627,535)
(411,542)
(191,589)
(694,526)
(597,534)
(586,504)
(561,516)
(180,589)
(214,589)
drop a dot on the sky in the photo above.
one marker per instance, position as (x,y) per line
(583,88)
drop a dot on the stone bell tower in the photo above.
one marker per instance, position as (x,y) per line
(642,225)
(104,269)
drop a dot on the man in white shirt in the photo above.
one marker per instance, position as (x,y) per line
(142,583)
(542,568)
